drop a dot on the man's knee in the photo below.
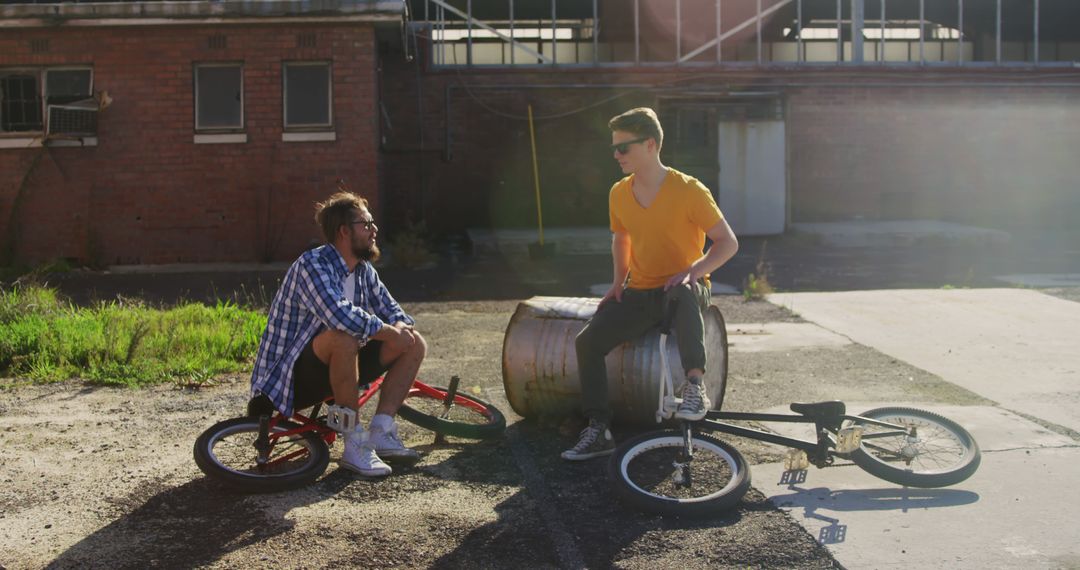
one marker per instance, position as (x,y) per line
(419,348)
(331,344)
(585,342)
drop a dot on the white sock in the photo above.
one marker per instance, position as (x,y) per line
(382,422)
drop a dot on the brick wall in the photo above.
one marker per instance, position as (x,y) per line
(995,148)
(147,193)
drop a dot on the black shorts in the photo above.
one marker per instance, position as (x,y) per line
(311,376)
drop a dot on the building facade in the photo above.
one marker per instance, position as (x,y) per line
(204,131)
(182,132)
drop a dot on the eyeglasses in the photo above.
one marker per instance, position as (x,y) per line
(368,224)
(624,147)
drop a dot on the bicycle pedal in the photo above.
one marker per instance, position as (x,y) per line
(849,439)
(792,477)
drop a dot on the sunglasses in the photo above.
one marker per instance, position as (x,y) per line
(368,224)
(624,147)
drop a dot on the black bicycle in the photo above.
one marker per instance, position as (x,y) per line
(684,471)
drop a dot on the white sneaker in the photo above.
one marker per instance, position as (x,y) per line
(386,443)
(359,456)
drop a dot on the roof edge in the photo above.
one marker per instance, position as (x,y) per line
(35,15)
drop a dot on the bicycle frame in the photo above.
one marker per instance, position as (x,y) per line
(311,422)
(827,429)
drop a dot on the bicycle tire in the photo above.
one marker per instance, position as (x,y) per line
(644,476)
(945,453)
(469,417)
(233,462)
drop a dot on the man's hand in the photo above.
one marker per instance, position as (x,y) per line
(681,278)
(399,336)
(615,292)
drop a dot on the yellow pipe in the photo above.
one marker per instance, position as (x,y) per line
(536,178)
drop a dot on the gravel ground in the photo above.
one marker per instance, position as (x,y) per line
(97,476)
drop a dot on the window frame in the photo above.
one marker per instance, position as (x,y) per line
(307,127)
(199,129)
(40,73)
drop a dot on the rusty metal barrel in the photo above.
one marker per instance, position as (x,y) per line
(540,372)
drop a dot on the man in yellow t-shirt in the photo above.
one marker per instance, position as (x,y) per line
(659,220)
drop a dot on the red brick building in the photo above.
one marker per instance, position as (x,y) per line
(227,120)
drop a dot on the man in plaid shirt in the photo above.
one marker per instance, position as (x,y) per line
(334,326)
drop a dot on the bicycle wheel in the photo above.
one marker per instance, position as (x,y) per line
(647,475)
(941,452)
(467,417)
(226,452)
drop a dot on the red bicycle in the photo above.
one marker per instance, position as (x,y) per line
(265,451)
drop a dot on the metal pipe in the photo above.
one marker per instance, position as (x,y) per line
(513,46)
(881,40)
(922,31)
(719,16)
(758,28)
(595,33)
(637,31)
(839,34)
(997,36)
(1036,32)
(801,57)
(857,15)
(468,46)
(554,33)
(960,33)
(678,31)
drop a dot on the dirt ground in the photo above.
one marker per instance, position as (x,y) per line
(96,477)
(104,477)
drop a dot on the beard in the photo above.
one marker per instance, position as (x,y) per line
(365,253)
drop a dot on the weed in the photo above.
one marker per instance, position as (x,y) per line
(757,284)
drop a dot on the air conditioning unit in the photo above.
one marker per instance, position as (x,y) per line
(73,119)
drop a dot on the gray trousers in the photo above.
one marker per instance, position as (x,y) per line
(617,322)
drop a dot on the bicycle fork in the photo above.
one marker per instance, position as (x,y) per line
(683,475)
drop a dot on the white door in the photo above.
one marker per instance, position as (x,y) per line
(753,177)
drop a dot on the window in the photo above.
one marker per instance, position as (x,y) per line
(307,96)
(219,97)
(57,99)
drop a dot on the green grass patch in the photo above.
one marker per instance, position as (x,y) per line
(44,338)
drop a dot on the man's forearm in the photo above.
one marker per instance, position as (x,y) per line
(719,254)
(620,259)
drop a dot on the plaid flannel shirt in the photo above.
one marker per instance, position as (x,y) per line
(311,299)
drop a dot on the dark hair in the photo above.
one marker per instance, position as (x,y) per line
(641,122)
(337,211)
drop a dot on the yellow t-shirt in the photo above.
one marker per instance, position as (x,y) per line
(668,236)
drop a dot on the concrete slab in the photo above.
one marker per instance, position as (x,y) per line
(899,233)
(767,337)
(1018,510)
(1042,279)
(1015,346)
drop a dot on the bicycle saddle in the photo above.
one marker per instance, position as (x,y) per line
(820,409)
(259,406)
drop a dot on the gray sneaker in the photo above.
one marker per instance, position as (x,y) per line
(594,441)
(694,402)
